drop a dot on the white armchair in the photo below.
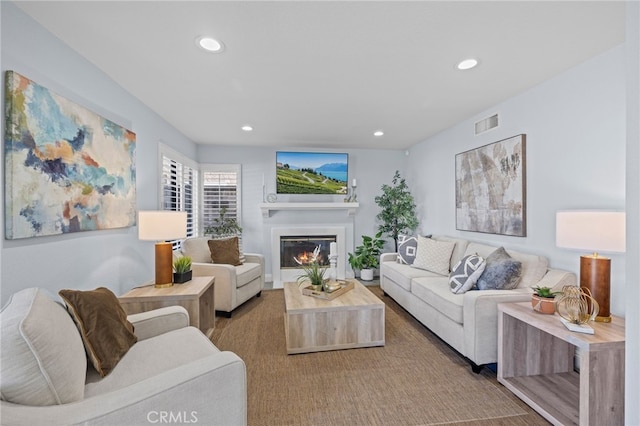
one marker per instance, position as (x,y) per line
(173,371)
(234,285)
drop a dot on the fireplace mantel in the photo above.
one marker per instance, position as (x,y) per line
(268,207)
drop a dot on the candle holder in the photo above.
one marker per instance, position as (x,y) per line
(354,197)
(333,271)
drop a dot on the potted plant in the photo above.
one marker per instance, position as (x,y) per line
(398,211)
(366,257)
(182,270)
(313,272)
(223,226)
(543,300)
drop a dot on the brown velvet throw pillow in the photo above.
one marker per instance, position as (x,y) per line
(106,333)
(225,251)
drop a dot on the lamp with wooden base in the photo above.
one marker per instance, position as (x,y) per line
(162,226)
(593,230)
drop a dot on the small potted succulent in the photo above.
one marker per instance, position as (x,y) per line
(543,300)
(182,270)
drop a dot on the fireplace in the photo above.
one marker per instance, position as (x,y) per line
(288,243)
(299,249)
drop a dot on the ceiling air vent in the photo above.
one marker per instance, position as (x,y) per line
(487,124)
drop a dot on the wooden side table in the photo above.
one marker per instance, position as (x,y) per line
(196,296)
(536,362)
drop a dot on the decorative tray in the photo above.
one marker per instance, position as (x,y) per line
(345,286)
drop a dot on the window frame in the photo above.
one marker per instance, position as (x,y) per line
(198,192)
(175,156)
(220,168)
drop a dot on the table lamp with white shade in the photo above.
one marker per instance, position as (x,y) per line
(595,231)
(162,226)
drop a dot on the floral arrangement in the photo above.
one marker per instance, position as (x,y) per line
(313,272)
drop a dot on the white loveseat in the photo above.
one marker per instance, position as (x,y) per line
(234,285)
(172,375)
(468,322)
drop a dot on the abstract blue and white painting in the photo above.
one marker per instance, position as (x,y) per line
(67,169)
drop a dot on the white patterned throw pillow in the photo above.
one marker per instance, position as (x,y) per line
(433,255)
(466,273)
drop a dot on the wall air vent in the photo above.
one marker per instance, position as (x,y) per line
(487,124)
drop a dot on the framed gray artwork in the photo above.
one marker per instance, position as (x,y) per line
(491,188)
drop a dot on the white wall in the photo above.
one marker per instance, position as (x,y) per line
(575,127)
(112,258)
(371,168)
(632,372)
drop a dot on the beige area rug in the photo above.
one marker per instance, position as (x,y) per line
(415,379)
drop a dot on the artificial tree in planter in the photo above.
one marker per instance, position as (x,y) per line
(366,257)
(398,210)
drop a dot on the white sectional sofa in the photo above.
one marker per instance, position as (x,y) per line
(468,322)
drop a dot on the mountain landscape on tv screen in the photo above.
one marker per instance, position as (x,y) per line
(327,178)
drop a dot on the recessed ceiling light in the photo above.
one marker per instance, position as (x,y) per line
(378,133)
(210,44)
(247,128)
(467,64)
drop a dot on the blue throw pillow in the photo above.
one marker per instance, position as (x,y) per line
(501,273)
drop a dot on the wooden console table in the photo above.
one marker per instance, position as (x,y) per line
(536,362)
(196,296)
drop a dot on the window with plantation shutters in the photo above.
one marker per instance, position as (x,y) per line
(179,188)
(204,191)
(220,193)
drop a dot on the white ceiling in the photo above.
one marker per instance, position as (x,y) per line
(329,73)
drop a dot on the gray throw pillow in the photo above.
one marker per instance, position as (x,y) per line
(407,246)
(466,273)
(501,273)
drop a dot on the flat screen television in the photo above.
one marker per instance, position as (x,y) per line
(311,172)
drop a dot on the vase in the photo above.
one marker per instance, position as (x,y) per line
(544,305)
(316,287)
(182,277)
(366,274)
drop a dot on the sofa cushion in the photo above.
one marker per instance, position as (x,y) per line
(403,274)
(225,251)
(150,357)
(435,292)
(502,272)
(433,255)
(534,267)
(43,361)
(465,274)
(246,273)
(407,246)
(106,333)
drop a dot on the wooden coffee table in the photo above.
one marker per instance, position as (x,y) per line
(352,320)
